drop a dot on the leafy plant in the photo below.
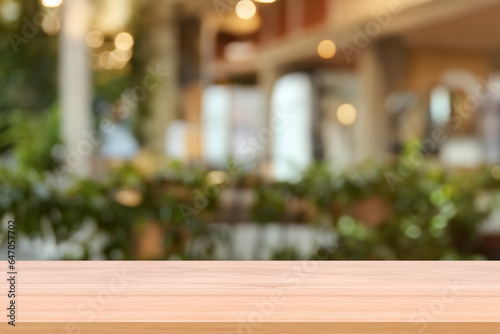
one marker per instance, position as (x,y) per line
(31,138)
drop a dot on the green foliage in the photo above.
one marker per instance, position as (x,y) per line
(405,212)
(428,215)
(28,71)
(31,137)
(285,254)
(271,204)
(32,197)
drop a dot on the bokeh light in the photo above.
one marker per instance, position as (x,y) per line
(245,9)
(346,114)
(122,55)
(129,197)
(95,39)
(327,49)
(52,3)
(124,41)
(51,25)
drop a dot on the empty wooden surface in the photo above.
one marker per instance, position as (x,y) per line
(257,297)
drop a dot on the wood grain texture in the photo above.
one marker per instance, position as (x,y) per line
(256,297)
(265,328)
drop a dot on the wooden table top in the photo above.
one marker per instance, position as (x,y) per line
(256,297)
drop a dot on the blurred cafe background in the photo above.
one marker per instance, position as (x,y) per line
(250,129)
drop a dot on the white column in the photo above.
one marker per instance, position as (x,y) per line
(163,59)
(381,69)
(267,75)
(75,85)
(370,127)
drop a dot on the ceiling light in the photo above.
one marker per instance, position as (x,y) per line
(346,114)
(327,49)
(245,9)
(52,3)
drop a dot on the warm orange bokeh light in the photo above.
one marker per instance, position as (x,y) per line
(327,49)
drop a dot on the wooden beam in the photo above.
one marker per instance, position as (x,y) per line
(410,15)
(265,328)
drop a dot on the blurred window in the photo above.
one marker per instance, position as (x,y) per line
(440,106)
(216,103)
(291,120)
(232,122)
